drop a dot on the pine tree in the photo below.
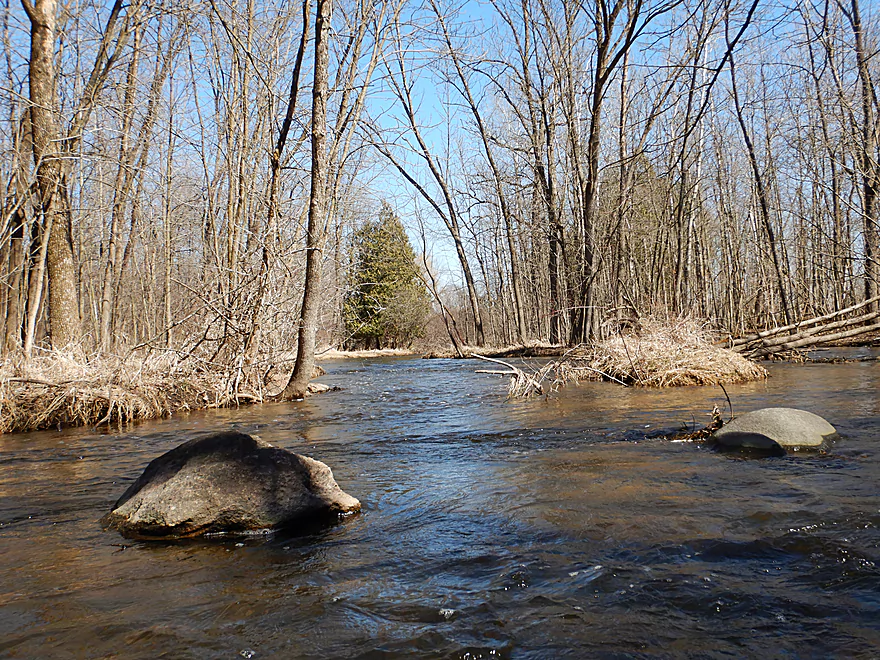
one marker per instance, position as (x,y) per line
(388,304)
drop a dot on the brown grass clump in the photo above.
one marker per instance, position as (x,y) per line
(669,355)
(655,354)
(57,389)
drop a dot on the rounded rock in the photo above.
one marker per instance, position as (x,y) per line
(227,482)
(788,428)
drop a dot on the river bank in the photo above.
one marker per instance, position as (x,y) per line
(56,390)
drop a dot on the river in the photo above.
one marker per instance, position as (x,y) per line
(540,528)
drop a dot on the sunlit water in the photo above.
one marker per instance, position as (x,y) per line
(491,528)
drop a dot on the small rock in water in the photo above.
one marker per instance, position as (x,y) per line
(446,613)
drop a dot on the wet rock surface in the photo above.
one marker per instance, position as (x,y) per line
(227,482)
(770,428)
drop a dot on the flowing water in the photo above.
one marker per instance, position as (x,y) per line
(490,528)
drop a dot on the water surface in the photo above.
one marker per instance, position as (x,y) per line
(525,529)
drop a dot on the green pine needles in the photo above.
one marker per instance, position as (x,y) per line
(387,305)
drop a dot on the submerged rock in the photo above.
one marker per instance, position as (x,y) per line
(228,482)
(773,429)
(755,444)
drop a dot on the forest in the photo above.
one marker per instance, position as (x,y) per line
(188,181)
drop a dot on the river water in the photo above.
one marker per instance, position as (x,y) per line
(490,528)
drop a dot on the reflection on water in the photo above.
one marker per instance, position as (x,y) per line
(491,528)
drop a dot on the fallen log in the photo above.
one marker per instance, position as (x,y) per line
(768,346)
(812,340)
(764,334)
(842,360)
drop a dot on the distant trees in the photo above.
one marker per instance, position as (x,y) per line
(166,186)
(387,305)
(614,159)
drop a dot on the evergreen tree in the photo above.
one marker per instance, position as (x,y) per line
(388,304)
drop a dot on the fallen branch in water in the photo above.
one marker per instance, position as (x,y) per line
(841,360)
(813,338)
(809,333)
(736,344)
(698,435)
(521,384)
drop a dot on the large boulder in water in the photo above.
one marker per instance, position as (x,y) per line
(228,482)
(772,429)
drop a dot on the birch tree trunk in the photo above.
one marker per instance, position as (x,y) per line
(55,218)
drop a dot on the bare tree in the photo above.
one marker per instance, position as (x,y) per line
(318,205)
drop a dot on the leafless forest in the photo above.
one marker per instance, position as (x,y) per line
(185,176)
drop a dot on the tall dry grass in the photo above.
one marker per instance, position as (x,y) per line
(670,354)
(58,389)
(656,353)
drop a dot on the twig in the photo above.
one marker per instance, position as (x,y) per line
(601,373)
(729,404)
(638,376)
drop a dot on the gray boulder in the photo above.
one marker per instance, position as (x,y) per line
(771,428)
(228,482)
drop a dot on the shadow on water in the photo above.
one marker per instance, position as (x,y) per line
(490,528)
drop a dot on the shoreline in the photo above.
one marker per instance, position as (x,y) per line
(336,354)
(56,391)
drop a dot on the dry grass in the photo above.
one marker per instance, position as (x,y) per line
(672,354)
(657,354)
(58,389)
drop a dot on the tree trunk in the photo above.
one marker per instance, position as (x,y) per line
(121,187)
(17,264)
(64,318)
(273,212)
(315,235)
(581,329)
(763,202)
(496,178)
(16,267)
(867,155)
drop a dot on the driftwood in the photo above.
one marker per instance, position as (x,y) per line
(698,435)
(811,341)
(818,335)
(810,332)
(844,360)
(521,384)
